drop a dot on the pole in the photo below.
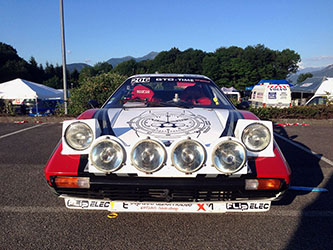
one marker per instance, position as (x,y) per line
(37,114)
(63,48)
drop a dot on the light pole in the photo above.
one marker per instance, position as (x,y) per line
(63,48)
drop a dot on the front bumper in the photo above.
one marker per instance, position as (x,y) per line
(167,207)
(144,189)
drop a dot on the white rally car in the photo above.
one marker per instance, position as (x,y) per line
(168,143)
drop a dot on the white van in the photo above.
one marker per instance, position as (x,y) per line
(323,94)
(271,95)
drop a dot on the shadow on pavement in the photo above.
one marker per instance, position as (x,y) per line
(305,168)
(315,228)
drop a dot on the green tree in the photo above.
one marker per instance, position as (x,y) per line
(98,88)
(286,63)
(188,62)
(11,65)
(98,68)
(102,67)
(126,68)
(234,66)
(86,72)
(74,78)
(303,77)
(144,67)
(164,61)
(36,72)
(54,82)
(53,76)
(7,53)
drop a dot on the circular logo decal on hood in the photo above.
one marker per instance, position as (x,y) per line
(173,124)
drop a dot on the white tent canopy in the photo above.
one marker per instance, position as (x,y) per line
(23,89)
(231,89)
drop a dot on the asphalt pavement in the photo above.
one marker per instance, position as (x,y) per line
(32,217)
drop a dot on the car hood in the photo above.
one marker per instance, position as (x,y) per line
(166,124)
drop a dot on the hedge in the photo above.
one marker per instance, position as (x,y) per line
(295,112)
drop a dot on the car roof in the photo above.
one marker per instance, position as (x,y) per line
(170,75)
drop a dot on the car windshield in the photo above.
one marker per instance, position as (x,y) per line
(186,92)
(318,101)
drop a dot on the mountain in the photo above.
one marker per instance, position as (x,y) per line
(78,66)
(316,72)
(327,71)
(115,61)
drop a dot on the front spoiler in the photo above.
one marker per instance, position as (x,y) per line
(167,207)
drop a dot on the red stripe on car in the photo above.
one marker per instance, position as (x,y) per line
(87,114)
(59,164)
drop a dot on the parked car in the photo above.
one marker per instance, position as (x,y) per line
(168,143)
(44,107)
(233,96)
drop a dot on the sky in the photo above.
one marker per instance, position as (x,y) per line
(97,30)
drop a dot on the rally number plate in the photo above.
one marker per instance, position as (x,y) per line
(168,207)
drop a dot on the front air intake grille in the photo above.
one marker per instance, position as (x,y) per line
(168,195)
(139,194)
(166,189)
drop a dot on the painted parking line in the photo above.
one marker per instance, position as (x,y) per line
(320,157)
(20,131)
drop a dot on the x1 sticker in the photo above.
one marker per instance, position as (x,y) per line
(201,207)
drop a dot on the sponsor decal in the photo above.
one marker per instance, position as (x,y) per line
(140,80)
(205,207)
(170,124)
(88,204)
(247,206)
(216,100)
(168,207)
(201,207)
(143,91)
(18,101)
(191,207)
(283,95)
(171,79)
(271,95)
(260,95)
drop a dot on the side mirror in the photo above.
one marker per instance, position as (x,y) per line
(93,103)
(243,105)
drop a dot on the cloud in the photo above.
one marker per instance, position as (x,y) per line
(319,58)
(69,52)
(316,61)
(87,60)
(301,65)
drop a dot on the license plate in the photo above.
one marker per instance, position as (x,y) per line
(168,207)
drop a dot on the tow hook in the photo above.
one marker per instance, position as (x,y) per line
(112,215)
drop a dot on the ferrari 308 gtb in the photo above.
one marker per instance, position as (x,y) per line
(168,143)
